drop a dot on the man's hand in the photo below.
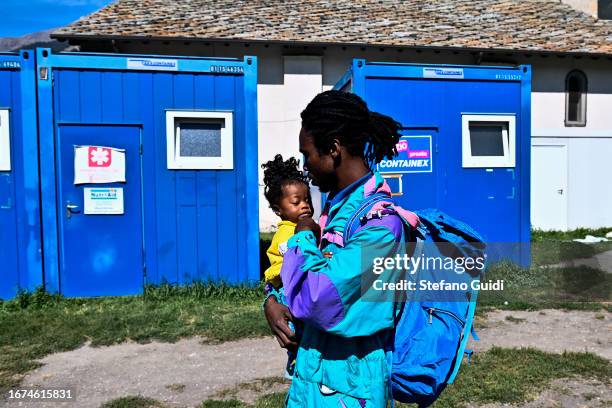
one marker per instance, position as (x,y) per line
(308,224)
(278,315)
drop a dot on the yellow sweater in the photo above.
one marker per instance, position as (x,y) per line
(286,229)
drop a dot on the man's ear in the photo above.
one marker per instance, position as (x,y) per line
(334,150)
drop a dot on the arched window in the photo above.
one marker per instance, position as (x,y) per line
(575,98)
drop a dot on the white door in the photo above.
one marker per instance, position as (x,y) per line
(549,186)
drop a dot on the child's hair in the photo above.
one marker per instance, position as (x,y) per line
(346,117)
(278,173)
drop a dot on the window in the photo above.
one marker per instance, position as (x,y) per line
(5,143)
(604,9)
(575,98)
(488,140)
(199,140)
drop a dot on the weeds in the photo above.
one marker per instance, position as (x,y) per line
(541,236)
(133,402)
(515,320)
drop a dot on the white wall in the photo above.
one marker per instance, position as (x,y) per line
(587,170)
(290,76)
(548,98)
(586,6)
(589,148)
(279,109)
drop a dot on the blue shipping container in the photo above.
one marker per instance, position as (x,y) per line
(148,171)
(466,143)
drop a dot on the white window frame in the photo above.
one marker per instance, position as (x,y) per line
(173,147)
(5,140)
(509,142)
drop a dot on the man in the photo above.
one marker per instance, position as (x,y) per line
(343,356)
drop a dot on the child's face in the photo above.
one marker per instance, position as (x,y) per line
(295,202)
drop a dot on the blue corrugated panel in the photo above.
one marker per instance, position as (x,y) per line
(20,242)
(192,224)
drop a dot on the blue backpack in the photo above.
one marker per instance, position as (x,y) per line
(430,334)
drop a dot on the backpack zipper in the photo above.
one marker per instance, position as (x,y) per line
(432,309)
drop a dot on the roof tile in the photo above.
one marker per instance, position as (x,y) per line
(535,25)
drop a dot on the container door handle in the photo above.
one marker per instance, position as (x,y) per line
(71,209)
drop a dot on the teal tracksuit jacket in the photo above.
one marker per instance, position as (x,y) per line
(344,353)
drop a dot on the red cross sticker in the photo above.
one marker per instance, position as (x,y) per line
(99,156)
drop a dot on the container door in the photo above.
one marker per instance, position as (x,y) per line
(9,277)
(100,215)
(549,187)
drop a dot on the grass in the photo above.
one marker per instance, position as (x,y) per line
(516,320)
(518,375)
(36,324)
(577,288)
(553,247)
(257,386)
(556,252)
(541,236)
(133,402)
(176,387)
(275,400)
(500,375)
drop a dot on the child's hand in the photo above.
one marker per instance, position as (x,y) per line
(308,224)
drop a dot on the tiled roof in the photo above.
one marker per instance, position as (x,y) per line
(530,25)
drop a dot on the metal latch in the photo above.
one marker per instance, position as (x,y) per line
(71,209)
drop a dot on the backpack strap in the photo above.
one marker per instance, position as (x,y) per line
(468,329)
(359,216)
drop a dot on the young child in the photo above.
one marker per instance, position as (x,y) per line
(286,189)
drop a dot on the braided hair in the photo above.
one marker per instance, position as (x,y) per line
(279,173)
(346,117)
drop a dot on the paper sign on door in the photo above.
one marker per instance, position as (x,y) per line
(103,200)
(98,164)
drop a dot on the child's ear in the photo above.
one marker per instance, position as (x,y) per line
(310,201)
(276,210)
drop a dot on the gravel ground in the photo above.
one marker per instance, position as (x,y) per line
(187,372)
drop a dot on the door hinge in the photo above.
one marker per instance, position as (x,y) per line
(140,149)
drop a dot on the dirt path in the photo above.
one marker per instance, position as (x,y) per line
(549,330)
(187,372)
(182,374)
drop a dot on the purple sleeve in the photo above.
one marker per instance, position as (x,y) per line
(311,296)
(311,281)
